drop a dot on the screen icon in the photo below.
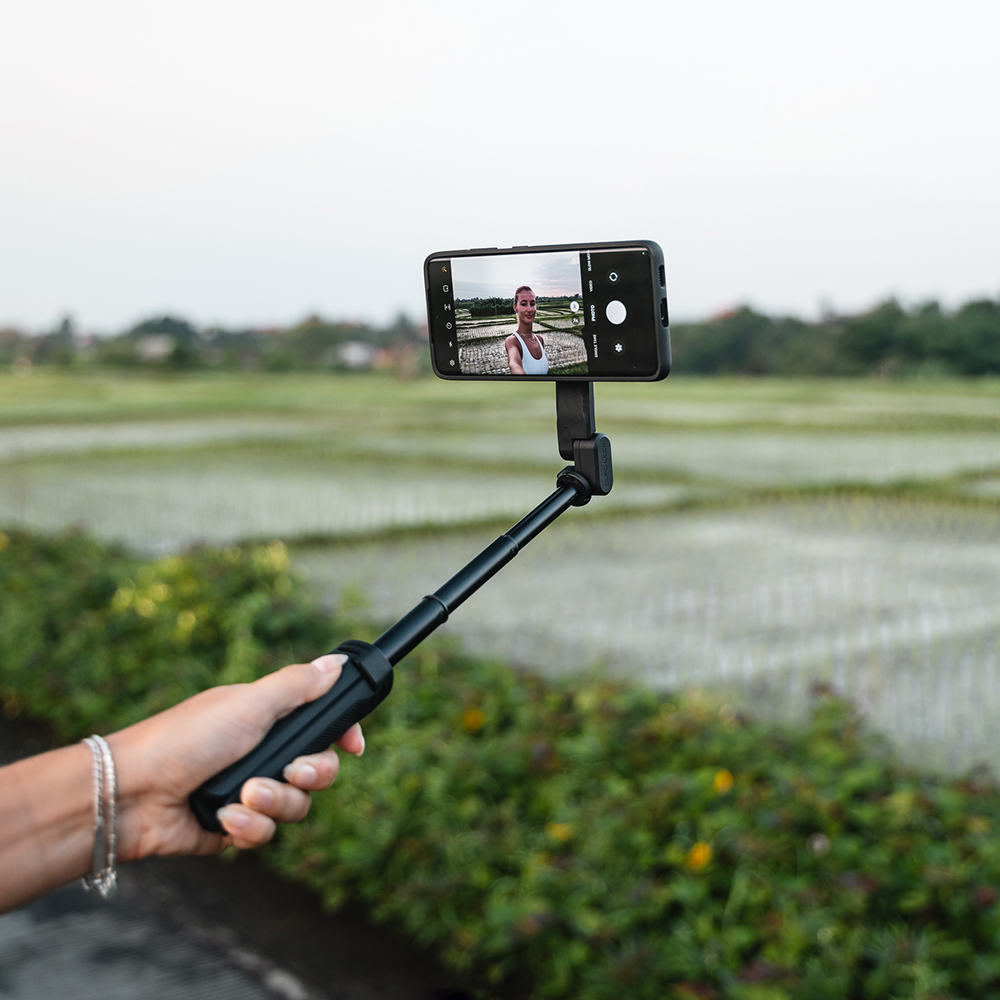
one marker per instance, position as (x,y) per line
(616,312)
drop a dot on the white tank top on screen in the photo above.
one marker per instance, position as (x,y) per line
(531,364)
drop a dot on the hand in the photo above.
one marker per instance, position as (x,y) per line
(161,760)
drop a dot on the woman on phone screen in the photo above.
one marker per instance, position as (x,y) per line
(525,349)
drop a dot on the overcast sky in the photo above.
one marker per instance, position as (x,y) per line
(249,162)
(554,274)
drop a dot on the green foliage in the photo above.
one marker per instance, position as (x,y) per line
(888,340)
(582,839)
(92,636)
(614,843)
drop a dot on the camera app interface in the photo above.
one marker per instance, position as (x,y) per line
(544,314)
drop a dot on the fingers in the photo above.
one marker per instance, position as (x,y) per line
(277,694)
(283,803)
(314,772)
(353,741)
(247,827)
(264,803)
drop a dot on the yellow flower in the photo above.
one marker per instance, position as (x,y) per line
(170,566)
(159,591)
(559,831)
(722,782)
(473,720)
(699,856)
(145,607)
(279,556)
(122,599)
(187,620)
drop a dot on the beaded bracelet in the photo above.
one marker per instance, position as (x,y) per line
(103,878)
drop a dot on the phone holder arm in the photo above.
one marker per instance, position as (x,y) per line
(579,440)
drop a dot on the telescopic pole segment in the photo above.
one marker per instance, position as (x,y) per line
(433,611)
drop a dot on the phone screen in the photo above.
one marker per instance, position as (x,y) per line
(590,313)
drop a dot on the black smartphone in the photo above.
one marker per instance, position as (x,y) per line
(578,311)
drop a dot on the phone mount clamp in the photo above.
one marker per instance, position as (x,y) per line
(366,678)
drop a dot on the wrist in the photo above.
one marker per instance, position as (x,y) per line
(132,835)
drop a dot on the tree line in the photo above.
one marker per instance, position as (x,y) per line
(171,342)
(889,341)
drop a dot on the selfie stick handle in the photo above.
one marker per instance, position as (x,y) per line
(366,678)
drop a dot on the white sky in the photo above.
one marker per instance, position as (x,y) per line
(547,273)
(248,162)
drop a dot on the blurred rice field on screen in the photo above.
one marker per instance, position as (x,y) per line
(762,536)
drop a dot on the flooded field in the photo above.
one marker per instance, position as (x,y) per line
(761,537)
(892,602)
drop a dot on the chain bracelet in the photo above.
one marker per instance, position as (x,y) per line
(103,877)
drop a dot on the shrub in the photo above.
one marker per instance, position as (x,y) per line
(91,635)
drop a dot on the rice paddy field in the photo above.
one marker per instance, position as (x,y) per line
(762,536)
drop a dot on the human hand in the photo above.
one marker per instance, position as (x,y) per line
(164,758)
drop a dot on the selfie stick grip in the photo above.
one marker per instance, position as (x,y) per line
(364,682)
(367,675)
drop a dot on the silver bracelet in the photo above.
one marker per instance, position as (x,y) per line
(103,878)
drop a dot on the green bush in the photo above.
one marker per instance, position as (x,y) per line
(584,839)
(92,635)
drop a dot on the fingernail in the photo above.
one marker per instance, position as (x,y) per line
(260,796)
(233,819)
(362,750)
(301,774)
(327,664)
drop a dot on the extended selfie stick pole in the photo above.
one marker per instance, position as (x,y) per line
(367,675)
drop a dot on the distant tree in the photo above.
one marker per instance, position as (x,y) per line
(973,341)
(179,329)
(873,338)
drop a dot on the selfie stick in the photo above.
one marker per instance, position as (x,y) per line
(367,675)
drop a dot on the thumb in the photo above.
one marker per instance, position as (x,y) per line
(277,694)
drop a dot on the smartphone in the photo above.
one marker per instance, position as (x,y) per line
(575,312)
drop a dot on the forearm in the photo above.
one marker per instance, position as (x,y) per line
(46,823)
